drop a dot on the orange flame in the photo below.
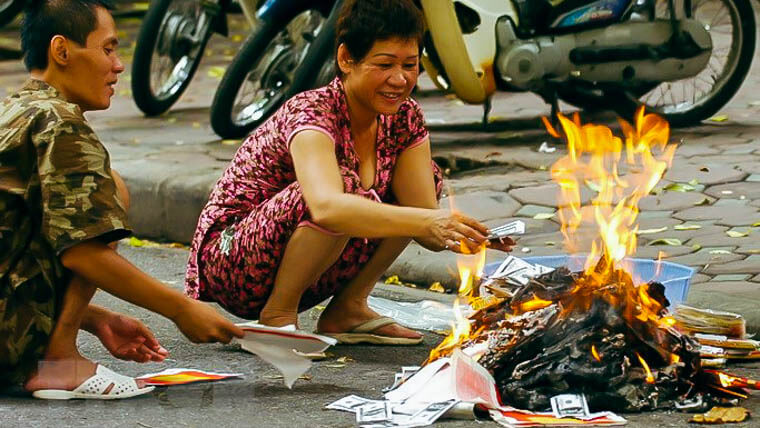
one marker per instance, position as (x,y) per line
(534,304)
(596,156)
(650,377)
(595,354)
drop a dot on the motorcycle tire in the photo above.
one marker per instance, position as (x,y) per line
(9,9)
(626,101)
(225,120)
(155,25)
(318,67)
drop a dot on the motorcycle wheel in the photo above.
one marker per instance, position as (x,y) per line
(169,48)
(261,76)
(9,9)
(689,101)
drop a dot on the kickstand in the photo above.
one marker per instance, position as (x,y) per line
(487,105)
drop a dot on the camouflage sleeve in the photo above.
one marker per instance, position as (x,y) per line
(79,197)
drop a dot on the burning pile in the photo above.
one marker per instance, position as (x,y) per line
(598,331)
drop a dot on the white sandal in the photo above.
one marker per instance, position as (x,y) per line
(96,386)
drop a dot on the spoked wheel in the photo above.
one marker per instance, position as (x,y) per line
(169,48)
(731,24)
(9,9)
(261,77)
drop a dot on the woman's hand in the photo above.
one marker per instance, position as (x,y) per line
(128,339)
(449,230)
(200,323)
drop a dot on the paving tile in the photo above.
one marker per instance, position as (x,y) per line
(683,235)
(735,220)
(672,201)
(756,278)
(749,265)
(546,195)
(748,167)
(753,178)
(699,278)
(689,149)
(714,212)
(484,205)
(747,189)
(667,251)
(686,172)
(655,214)
(749,249)
(714,161)
(700,258)
(532,210)
(721,239)
(732,277)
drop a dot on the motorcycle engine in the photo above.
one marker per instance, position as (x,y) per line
(630,51)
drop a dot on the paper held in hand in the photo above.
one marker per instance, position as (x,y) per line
(277,346)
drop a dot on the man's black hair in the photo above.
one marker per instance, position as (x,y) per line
(44,19)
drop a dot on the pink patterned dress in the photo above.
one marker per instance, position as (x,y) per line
(257,204)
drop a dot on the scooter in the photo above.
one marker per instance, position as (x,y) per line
(683,59)
(263,73)
(170,45)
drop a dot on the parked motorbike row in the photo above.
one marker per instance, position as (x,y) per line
(683,59)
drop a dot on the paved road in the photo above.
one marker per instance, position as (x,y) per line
(258,400)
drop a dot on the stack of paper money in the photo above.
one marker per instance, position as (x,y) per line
(509,276)
(384,414)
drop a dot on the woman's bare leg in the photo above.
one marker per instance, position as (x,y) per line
(349,308)
(308,254)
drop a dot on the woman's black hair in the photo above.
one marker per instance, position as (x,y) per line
(361,23)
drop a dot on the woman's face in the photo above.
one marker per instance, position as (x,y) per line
(385,77)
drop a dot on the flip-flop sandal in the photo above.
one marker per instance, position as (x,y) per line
(362,333)
(105,384)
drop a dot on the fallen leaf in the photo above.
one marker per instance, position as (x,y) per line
(673,242)
(393,280)
(736,234)
(696,247)
(550,243)
(196,125)
(176,245)
(651,231)
(216,72)
(171,120)
(237,38)
(722,415)
(756,224)
(437,287)
(593,186)
(687,227)
(716,252)
(719,118)
(230,142)
(135,242)
(543,216)
(704,201)
(141,6)
(680,187)
(345,359)
(335,366)
(694,182)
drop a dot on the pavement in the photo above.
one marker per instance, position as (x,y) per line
(495,173)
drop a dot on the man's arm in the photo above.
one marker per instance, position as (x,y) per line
(100,265)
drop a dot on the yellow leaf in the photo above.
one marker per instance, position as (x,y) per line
(216,72)
(680,187)
(543,216)
(393,279)
(230,142)
(141,6)
(687,227)
(674,242)
(196,125)
(736,234)
(437,287)
(703,201)
(237,38)
(756,224)
(135,242)
(719,118)
(652,231)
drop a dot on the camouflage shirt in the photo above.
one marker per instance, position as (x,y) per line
(56,190)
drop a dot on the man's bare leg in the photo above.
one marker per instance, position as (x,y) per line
(308,254)
(349,308)
(63,367)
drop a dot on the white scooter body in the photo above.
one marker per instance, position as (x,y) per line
(470,60)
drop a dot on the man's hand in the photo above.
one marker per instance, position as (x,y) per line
(200,323)
(128,339)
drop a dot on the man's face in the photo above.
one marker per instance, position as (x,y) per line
(93,69)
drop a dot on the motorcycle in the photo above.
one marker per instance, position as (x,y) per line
(263,73)
(9,9)
(683,59)
(170,45)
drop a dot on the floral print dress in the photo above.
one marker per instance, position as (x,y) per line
(257,204)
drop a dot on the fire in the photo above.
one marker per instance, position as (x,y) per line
(596,156)
(595,354)
(650,377)
(534,304)
(470,267)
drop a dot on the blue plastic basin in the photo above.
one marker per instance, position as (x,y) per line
(676,278)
